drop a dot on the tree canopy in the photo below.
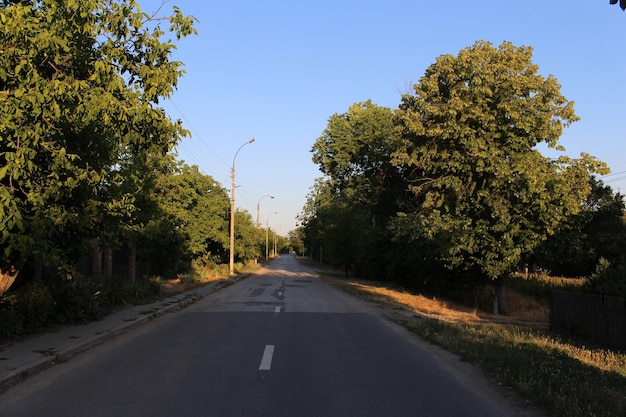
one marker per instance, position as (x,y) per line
(483,192)
(354,152)
(456,171)
(198,208)
(80,83)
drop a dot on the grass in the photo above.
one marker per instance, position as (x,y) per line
(203,276)
(563,377)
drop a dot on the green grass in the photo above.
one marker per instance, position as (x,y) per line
(560,377)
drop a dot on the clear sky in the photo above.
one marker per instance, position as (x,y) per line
(276,70)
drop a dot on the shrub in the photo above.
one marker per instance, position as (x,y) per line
(78,300)
(608,278)
(214,270)
(35,304)
(11,322)
(142,290)
(118,291)
(540,285)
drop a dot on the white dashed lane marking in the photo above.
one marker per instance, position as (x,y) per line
(266,360)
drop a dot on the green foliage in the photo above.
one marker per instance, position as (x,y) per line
(37,303)
(354,152)
(347,211)
(194,220)
(541,285)
(29,308)
(483,194)
(296,240)
(81,299)
(552,374)
(78,301)
(79,88)
(597,231)
(450,189)
(608,278)
(248,238)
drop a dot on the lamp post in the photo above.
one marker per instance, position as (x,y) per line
(231,265)
(258,209)
(267,235)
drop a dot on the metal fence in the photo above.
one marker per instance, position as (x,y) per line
(595,318)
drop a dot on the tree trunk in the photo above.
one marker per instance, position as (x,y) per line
(501,297)
(96,259)
(7,277)
(108,260)
(132,262)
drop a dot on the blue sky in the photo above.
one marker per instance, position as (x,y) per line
(276,70)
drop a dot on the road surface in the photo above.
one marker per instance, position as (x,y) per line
(280,343)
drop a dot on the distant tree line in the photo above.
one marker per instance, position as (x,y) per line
(449,190)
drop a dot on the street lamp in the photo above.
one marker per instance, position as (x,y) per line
(231,266)
(267,236)
(258,209)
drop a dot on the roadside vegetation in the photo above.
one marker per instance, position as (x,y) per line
(564,377)
(95,207)
(39,307)
(448,208)
(447,195)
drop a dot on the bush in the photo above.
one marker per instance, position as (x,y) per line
(11,322)
(541,285)
(78,300)
(215,270)
(25,310)
(608,278)
(118,291)
(35,305)
(141,291)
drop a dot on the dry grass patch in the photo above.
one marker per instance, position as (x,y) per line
(564,378)
(522,309)
(388,294)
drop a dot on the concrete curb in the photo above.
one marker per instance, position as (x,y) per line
(33,355)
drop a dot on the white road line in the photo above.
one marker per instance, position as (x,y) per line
(266,361)
(277,309)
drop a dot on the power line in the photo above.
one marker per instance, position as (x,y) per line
(202,141)
(615,179)
(613,173)
(193,153)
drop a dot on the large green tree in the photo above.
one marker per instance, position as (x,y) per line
(196,207)
(483,192)
(249,239)
(355,154)
(80,83)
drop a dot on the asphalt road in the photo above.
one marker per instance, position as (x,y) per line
(279,343)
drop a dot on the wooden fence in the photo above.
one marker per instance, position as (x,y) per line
(596,318)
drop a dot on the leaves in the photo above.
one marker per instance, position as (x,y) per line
(471,129)
(83,80)
(453,176)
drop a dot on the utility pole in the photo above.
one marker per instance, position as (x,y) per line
(258,209)
(231,265)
